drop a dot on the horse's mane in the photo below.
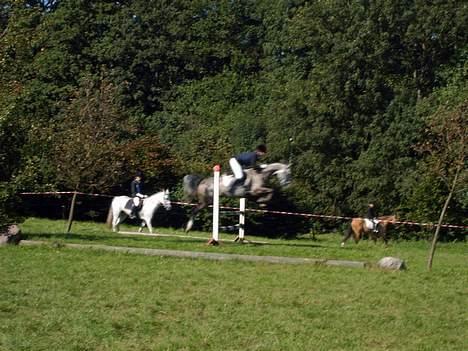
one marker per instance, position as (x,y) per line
(158,193)
(388,218)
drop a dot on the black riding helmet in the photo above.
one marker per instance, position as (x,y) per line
(261,148)
(139,173)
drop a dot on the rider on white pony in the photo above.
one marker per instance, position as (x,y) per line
(245,160)
(136,189)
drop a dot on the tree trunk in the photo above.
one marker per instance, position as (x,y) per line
(72,210)
(442,214)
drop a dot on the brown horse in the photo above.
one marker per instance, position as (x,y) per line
(358,228)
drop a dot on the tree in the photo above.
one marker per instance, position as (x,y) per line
(94,145)
(18,24)
(446,142)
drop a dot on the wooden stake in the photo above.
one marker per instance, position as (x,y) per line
(442,214)
(72,211)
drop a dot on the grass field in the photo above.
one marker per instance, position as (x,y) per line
(55,298)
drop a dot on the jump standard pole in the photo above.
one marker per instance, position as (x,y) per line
(240,237)
(215,234)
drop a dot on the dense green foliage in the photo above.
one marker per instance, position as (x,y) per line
(347,91)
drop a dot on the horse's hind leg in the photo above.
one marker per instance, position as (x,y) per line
(189,224)
(115,222)
(195,210)
(357,231)
(348,234)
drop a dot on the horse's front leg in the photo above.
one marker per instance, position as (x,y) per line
(373,236)
(262,194)
(148,224)
(383,233)
(265,198)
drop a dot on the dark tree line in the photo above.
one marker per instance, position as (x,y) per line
(348,91)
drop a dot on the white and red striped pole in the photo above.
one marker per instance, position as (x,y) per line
(215,235)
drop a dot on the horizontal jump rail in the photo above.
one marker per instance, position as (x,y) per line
(283,213)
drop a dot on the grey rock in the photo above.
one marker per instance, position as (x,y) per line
(392,263)
(12,235)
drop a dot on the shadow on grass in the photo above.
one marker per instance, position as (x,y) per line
(65,236)
(104,238)
(256,243)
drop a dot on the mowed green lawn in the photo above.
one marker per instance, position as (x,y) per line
(54,298)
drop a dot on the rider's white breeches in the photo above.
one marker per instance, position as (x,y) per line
(236,168)
(136,201)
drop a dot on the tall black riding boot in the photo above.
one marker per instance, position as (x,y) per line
(235,185)
(133,212)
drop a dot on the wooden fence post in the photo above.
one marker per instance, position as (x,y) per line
(441,218)
(72,211)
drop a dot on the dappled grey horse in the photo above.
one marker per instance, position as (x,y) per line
(201,189)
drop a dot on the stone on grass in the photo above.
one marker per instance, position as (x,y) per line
(392,263)
(12,235)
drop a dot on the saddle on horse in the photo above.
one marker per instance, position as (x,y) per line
(240,187)
(134,205)
(236,184)
(372,224)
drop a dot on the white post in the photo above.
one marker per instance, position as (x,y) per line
(241,218)
(215,236)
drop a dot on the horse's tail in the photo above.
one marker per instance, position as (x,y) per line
(190,186)
(110,217)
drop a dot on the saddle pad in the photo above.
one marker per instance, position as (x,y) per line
(226,180)
(129,204)
(369,224)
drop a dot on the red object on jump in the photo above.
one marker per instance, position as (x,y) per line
(217,168)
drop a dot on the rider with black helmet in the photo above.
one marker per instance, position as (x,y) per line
(136,189)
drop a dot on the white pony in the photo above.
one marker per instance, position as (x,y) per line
(120,210)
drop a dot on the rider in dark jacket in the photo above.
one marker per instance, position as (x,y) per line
(249,159)
(136,190)
(372,216)
(245,160)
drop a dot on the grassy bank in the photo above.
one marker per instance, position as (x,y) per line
(63,299)
(326,246)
